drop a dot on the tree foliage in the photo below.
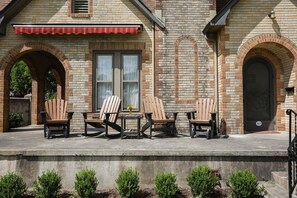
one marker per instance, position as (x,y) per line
(50,86)
(20,79)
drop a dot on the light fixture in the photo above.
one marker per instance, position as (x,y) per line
(271,15)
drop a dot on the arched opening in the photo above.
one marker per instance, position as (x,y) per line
(258,95)
(20,95)
(281,53)
(40,58)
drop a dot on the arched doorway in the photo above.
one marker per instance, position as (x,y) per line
(259,95)
(40,57)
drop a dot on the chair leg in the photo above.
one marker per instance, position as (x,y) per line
(48,133)
(191,130)
(151,130)
(85,129)
(44,131)
(106,130)
(173,131)
(66,131)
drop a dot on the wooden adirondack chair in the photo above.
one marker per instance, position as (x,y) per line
(205,117)
(56,119)
(156,118)
(107,117)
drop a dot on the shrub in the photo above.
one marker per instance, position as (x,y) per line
(12,186)
(243,183)
(85,183)
(15,119)
(47,185)
(202,181)
(128,183)
(165,185)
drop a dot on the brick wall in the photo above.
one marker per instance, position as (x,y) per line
(72,51)
(246,32)
(184,69)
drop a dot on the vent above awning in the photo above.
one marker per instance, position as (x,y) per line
(67,29)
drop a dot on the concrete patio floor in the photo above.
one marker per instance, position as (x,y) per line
(30,139)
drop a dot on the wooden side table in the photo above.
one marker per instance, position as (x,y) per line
(124,131)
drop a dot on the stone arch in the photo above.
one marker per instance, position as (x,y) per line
(279,84)
(242,57)
(177,65)
(5,67)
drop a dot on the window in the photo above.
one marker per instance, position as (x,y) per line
(117,73)
(80,6)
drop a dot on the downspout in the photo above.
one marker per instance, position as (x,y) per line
(216,64)
(214,39)
(153,58)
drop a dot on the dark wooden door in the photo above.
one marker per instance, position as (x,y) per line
(259,95)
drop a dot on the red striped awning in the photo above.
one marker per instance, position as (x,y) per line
(77,29)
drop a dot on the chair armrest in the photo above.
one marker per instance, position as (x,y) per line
(43,115)
(148,116)
(190,114)
(174,115)
(213,116)
(69,115)
(107,114)
(85,114)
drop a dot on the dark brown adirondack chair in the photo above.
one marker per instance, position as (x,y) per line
(156,118)
(56,119)
(107,117)
(204,116)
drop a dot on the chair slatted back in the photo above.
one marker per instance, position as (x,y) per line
(154,105)
(110,105)
(204,107)
(56,109)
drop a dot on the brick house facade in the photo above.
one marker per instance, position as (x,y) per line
(187,49)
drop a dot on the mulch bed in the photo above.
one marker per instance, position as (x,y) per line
(142,193)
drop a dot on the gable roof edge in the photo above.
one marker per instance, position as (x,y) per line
(9,11)
(220,19)
(148,13)
(15,6)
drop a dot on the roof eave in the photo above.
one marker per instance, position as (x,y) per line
(219,20)
(11,11)
(147,12)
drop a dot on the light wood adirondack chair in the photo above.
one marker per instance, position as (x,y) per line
(107,117)
(56,119)
(156,118)
(205,117)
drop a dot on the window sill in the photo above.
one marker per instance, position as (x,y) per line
(80,15)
